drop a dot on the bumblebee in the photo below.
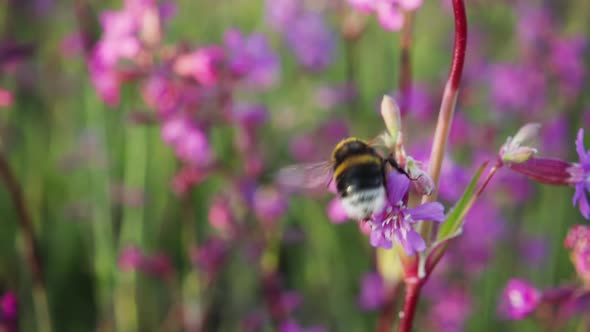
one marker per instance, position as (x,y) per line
(358,171)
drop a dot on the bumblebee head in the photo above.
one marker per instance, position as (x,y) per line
(349,147)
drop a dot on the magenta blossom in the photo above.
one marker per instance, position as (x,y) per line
(519,299)
(389,12)
(396,219)
(583,175)
(372,294)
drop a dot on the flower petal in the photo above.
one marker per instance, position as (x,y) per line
(580,146)
(416,241)
(397,186)
(378,239)
(434,211)
(401,239)
(581,197)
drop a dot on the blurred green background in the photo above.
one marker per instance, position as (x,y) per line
(75,158)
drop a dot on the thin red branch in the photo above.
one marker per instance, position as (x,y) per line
(447,109)
(460,45)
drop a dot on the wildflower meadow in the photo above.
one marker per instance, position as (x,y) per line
(294,165)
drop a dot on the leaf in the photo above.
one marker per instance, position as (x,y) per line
(451,227)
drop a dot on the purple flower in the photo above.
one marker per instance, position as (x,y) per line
(554,134)
(567,61)
(519,299)
(312,41)
(252,58)
(8,307)
(372,291)
(395,221)
(210,256)
(417,103)
(582,174)
(132,258)
(450,311)
(483,227)
(292,326)
(281,13)
(517,88)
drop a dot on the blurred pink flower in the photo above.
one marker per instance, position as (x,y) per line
(389,12)
(336,212)
(519,299)
(210,256)
(269,205)
(221,216)
(205,65)
(105,80)
(133,258)
(6,98)
(372,295)
(451,310)
(8,307)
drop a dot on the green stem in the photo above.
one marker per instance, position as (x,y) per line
(100,215)
(126,312)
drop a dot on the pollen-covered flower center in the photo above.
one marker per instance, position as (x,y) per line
(396,218)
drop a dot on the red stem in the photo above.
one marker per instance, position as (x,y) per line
(413,287)
(447,109)
(460,45)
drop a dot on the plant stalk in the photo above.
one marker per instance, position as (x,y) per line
(447,110)
(32,251)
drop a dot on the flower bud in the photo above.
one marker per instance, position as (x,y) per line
(515,149)
(421,180)
(391,115)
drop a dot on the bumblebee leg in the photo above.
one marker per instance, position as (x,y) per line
(395,165)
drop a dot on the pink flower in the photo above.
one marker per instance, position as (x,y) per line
(6,98)
(204,65)
(519,299)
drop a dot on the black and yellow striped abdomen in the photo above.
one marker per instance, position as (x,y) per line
(357,167)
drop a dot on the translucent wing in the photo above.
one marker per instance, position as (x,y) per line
(382,141)
(305,176)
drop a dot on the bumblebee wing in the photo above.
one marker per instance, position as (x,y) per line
(382,141)
(305,176)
